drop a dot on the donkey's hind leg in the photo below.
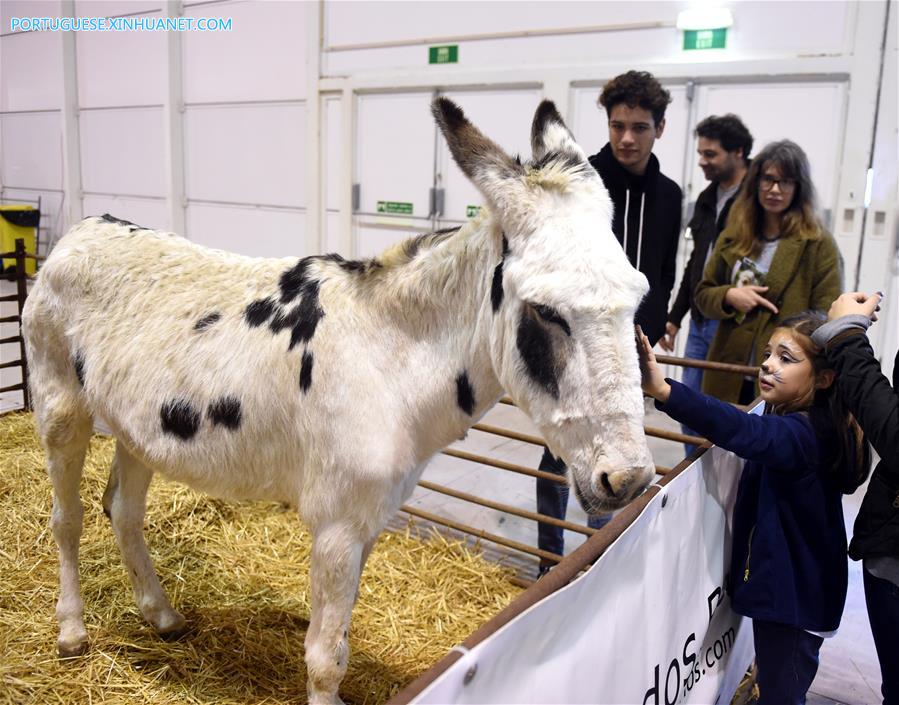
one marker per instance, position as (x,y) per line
(66,435)
(125,500)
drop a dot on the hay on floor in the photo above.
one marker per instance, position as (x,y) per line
(238,572)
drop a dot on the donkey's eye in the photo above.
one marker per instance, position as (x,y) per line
(550,315)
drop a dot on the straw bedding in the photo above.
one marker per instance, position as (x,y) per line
(238,572)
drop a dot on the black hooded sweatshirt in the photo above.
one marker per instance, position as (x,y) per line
(647,224)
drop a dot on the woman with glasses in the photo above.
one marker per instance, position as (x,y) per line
(773,260)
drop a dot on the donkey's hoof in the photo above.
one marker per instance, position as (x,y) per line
(72,648)
(172,627)
(321,698)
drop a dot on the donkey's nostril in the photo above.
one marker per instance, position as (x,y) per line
(604,479)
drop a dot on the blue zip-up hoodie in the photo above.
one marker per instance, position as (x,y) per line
(788,563)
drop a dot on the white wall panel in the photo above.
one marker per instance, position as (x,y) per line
(257,232)
(121,68)
(331,239)
(26,8)
(359,21)
(122,151)
(30,76)
(114,8)
(759,31)
(395,150)
(810,114)
(505,116)
(880,253)
(246,154)
(797,27)
(641,47)
(30,150)
(262,58)
(590,125)
(332,159)
(146,212)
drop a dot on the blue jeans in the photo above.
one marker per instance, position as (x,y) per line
(698,341)
(552,500)
(787,659)
(882,599)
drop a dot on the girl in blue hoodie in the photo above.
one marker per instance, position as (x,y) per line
(788,568)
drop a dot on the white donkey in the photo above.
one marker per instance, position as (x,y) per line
(329,384)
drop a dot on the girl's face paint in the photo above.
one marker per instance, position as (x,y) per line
(787,374)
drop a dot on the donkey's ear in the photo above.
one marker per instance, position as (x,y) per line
(488,167)
(549,134)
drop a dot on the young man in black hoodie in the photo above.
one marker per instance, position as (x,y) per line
(646,221)
(723,145)
(647,203)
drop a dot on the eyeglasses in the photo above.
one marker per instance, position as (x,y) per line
(766,183)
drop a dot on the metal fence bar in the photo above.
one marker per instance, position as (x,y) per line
(521,469)
(480,533)
(673,436)
(507,508)
(536,440)
(707,365)
(505,433)
(503,465)
(22,293)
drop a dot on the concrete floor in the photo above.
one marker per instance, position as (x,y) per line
(849,672)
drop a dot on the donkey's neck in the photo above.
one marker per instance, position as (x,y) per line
(441,299)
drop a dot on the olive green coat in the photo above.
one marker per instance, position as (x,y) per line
(804,274)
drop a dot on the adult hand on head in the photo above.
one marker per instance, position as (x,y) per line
(855,302)
(651,378)
(666,342)
(746,298)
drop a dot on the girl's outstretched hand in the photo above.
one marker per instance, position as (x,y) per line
(652,380)
(855,302)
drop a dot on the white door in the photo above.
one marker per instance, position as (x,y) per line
(394,168)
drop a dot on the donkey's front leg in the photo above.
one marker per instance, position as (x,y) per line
(336,567)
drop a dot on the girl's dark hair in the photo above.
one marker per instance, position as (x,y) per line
(800,220)
(827,409)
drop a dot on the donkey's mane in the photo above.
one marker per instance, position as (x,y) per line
(426,267)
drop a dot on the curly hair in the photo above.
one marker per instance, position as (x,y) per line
(636,89)
(744,223)
(729,130)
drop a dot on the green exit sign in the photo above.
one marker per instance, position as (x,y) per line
(448,54)
(705,38)
(399,207)
(472,211)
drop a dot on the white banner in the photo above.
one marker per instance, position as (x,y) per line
(648,624)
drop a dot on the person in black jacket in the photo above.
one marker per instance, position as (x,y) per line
(647,203)
(875,541)
(724,145)
(646,221)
